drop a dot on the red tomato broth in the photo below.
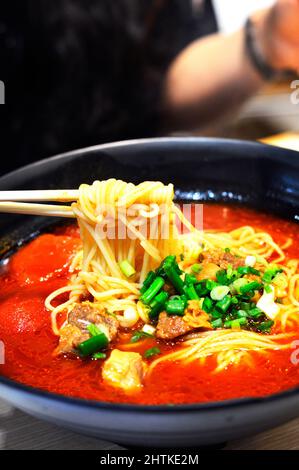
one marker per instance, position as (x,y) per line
(29,343)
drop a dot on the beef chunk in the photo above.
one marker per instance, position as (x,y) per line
(170,327)
(70,337)
(83,314)
(75,331)
(222,259)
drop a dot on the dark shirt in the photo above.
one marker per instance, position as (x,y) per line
(83,72)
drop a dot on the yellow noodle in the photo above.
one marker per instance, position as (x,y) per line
(150,235)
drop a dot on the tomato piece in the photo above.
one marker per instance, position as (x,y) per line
(46,257)
(19,314)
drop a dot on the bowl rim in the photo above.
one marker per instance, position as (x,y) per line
(141,408)
(152,141)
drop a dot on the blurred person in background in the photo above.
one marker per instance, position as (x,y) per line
(79,73)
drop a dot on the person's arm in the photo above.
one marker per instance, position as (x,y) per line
(215,75)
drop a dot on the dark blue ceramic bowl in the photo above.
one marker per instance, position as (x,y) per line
(229,171)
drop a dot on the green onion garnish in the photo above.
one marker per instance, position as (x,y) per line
(201,289)
(93,344)
(190,292)
(139,335)
(148,281)
(207,304)
(189,279)
(235,323)
(223,304)
(215,314)
(270,273)
(99,355)
(93,329)
(217,323)
(255,312)
(241,314)
(153,290)
(152,352)
(157,305)
(222,278)
(196,268)
(265,326)
(126,268)
(175,306)
(251,286)
(247,270)
(211,284)
(267,288)
(219,292)
(238,283)
(170,268)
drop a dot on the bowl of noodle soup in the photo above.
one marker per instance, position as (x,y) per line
(162,309)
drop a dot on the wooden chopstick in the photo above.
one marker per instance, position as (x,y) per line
(58,195)
(36,209)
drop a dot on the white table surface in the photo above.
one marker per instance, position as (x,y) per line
(21,432)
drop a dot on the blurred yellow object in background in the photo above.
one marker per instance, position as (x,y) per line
(287,140)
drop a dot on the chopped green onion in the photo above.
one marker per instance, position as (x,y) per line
(267,288)
(219,292)
(207,305)
(93,329)
(221,277)
(196,268)
(217,323)
(189,279)
(270,273)
(227,250)
(158,304)
(126,268)
(139,335)
(211,284)
(152,352)
(247,270)
(170,268)
(229,271)
(93,344)
(251,286)
(99,355)
(201,289)
(154,288)
(175,306)
(245,306)
(238,283)
(151,276)
(266,326)
(255,312)
(241,314)
(190,292)
(223,304)
(235,323)
(215,314)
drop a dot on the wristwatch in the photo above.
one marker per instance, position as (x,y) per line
(268,72)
